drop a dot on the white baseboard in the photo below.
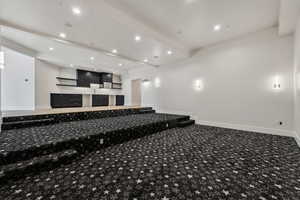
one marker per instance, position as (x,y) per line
(8,108)
(248,128)
(297,138)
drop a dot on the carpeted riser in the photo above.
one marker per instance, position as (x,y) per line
(20,122)
(46,165)
(82,146)
(90,143)
(186,123)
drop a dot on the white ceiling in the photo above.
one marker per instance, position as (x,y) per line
(196,18)
(179,25)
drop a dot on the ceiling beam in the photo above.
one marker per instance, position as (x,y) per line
(288,16)
(70,42)
(17,47)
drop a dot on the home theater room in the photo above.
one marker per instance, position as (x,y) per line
(150,99)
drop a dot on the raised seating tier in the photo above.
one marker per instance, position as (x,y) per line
(17,122)
(85,135)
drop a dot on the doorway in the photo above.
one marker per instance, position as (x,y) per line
(136,96)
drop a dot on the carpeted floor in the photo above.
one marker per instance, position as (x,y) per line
(197,162)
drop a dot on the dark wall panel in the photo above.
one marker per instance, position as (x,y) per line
(65,100)
(100,100)
(120,99)
(85,78)
(106,77)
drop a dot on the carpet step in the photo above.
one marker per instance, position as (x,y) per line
(186,123)
(26,123)
(35,165)
(146,111)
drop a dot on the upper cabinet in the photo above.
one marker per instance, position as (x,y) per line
(105,77)
(86,78)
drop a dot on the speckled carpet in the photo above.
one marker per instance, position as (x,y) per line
(197,162)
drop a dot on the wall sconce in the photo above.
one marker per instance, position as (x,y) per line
(146,82)
(198,85)
(2,63)
(298,80)
(276,84)
(157,82)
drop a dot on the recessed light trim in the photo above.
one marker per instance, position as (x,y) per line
(76,11)
(114,51)
(120,64)
(217,27)
(92,58)
(137,38)
(169,52)
(51,48)
(62,35)
(146,60)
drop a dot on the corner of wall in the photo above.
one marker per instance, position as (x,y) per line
(297,138)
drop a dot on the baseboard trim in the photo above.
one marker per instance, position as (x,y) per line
(248,128)
(297,138)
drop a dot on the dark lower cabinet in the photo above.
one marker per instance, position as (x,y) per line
(120,99)
(65,100)
(100,100)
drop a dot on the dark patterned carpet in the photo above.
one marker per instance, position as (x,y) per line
(21,144)
(197,162)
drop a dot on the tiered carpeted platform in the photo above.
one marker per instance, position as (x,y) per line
(53,116)
(84,135)
(196,162)
(43,147)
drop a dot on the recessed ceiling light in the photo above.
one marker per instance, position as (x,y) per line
(217,27)
(62,35)
(51,48)
(169,52)
(92,58)
(137,38)
(120,64)
(76,10)
(114,51)
(145,60)
(71,65)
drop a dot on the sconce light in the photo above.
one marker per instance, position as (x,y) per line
(198,85)
(298,80)
(146,82)
(276,84)
(2,63)
(157,82)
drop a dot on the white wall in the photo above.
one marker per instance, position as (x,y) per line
(237,84)
(46,81)
(45,77)
(297,81)
(17,93)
